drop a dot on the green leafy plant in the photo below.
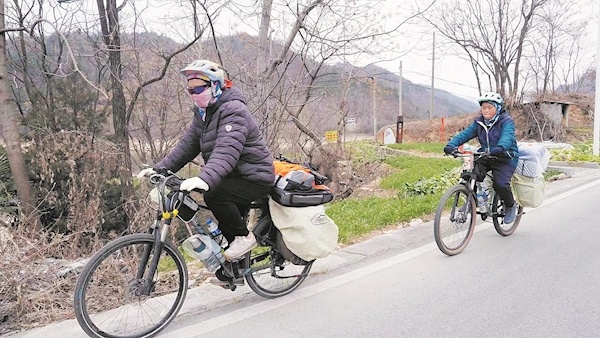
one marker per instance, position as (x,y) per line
(433,185)
(582,152)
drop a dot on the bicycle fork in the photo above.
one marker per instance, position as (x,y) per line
(459,214)
(145,272)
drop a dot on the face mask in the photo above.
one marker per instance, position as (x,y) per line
(203,99)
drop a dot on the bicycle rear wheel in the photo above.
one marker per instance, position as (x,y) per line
(455,220)
(108,300)
(498,217)
(271,275)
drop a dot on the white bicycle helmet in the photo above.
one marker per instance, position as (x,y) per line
(491,97)
(213,71)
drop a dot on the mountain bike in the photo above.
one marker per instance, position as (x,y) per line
(457,211)
(135,285)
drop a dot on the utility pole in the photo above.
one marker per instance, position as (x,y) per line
(432,77)
(400,121)
(597,99)
(374,92)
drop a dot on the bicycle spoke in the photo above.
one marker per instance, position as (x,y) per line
(454,220)
(115,302)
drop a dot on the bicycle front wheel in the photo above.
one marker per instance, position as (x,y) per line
(270,274)
(455,220)
(498,217)
(110,300)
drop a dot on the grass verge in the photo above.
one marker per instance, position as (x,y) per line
(357,217)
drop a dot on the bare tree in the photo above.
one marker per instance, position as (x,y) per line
(302,66)
(492,33)
(555,46)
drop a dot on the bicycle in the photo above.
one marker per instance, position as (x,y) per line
(457,211)
(135,285)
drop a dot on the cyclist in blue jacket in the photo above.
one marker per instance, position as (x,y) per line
(495,130)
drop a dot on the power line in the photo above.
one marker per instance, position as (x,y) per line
(423,86)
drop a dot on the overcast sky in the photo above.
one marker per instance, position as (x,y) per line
(452,73)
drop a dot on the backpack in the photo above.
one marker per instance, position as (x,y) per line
(297,185)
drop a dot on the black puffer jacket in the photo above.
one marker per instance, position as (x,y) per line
(229,140)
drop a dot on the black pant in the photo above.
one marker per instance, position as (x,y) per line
(230,200)
(502,172)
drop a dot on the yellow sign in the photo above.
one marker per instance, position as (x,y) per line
(331,136)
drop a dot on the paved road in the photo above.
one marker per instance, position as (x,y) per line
(370,253)
(539,282)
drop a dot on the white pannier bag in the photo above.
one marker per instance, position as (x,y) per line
(307,231)
(528,183)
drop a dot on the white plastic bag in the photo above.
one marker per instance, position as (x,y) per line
(308,232)
(533,159)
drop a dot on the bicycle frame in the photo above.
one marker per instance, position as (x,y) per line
(469,180)
(169,210)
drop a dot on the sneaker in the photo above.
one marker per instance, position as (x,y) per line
(239,246)
(510,214)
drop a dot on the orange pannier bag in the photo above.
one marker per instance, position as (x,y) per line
(299,186)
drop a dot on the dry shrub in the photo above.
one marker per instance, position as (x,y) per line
(75,175)
(34,289)
(81,209)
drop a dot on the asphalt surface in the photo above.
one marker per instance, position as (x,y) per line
(405,237)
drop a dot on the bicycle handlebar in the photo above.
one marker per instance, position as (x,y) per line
(170,180)
(477,155)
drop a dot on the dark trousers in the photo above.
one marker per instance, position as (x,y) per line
(230,200)
(502,172)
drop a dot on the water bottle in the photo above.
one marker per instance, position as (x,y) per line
(482,197)
(202,247)
(215,232)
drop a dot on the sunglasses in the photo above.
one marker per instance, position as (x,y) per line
(197,90)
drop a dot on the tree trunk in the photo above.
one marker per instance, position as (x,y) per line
(10,128)
(109,21)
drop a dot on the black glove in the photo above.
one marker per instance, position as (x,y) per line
(448,149)
(497,151)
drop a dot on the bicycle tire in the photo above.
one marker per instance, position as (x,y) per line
(112,270)
(450,235)
(501,228)
(272,275)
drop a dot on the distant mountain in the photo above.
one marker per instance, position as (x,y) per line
(241,51)
(416,98)
(586,84)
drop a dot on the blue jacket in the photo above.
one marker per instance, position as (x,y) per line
(500,134)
